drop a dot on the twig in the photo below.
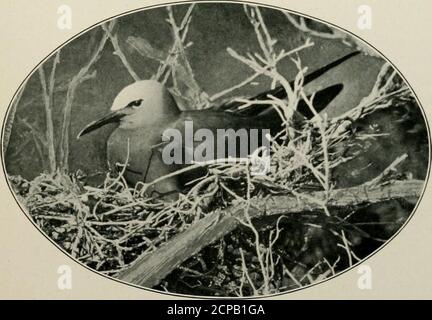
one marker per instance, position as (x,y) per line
(149,269)
(119,53)
(389,169)
(48,97)
(233,88)
(301,25)
(333,33)
(79,78)
(38,138)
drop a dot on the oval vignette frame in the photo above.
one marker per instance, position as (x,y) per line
(217,2)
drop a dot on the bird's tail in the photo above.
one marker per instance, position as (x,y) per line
(322,99)
(327,94)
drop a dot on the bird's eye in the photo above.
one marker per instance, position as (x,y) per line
(135,104)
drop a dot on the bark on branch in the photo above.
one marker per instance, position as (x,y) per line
(151,268)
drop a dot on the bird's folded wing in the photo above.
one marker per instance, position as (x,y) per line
(327,94)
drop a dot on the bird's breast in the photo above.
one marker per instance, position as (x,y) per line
(137,149)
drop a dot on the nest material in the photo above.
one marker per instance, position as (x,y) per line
(108,227)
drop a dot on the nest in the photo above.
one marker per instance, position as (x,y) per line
(108,227)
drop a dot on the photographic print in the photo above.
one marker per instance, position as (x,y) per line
(216,149)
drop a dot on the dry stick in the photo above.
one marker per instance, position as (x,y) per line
(151,268)
(264,40)
(301,25)
(234,87)
(38,139)
(322,129)
(390,168)
(334,33)
(79,78)
(47,94)
(119,53)
(179,36)
(246,274)
(267,48)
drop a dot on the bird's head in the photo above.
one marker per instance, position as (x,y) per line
(139,104)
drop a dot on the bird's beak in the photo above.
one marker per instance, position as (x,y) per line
(109,118)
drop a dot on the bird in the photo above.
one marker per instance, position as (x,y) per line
(145,110)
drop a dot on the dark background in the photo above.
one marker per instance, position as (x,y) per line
(214,27)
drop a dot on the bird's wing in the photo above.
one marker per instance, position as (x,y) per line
(322,99)
(327,94)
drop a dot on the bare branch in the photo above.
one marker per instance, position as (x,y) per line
(48,97)
(119,53)
(79,78)
(235,87)
(150,268)
(300,23)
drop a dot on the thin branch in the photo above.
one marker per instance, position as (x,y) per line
(301,25)
(39,140)
(235,87)
(119,53)
(48,97)
(390,168)
(150,268)
(333,33)
(83,75)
